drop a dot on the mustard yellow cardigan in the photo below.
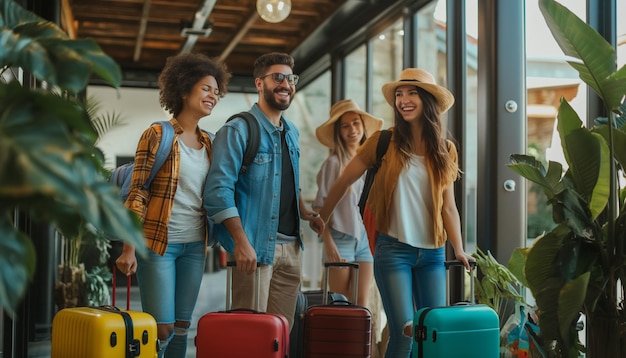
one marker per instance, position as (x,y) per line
(379,200)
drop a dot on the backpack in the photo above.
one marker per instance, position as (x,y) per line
(381,149)
(254,138)
(121,176)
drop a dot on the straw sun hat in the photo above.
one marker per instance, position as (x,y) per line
(423,79)
(324,132)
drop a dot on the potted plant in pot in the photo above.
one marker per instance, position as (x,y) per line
(579,267)
(51,168)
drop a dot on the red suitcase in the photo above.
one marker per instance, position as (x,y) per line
(338,329)
(242,333)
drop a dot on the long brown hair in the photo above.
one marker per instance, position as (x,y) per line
(444,168)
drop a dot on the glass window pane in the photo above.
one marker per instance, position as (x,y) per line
(355,80)
(431,39)
(308,110)
(470,149)
(548,78)
(387,53)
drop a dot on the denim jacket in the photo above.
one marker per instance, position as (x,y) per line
(254,195)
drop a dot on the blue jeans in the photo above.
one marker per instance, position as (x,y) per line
(169,286)
(408,279)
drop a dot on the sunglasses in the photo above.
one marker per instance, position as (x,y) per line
(278,78)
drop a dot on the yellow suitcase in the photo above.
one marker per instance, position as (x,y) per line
(96,332)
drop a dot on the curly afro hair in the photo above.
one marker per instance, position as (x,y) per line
(182,72)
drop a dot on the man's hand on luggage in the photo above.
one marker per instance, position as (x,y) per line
(246,258)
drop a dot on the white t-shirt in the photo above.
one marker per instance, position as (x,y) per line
(345,218)
(411,219)
(187,223)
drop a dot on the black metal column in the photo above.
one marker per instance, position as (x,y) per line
(456,74)
(601,15)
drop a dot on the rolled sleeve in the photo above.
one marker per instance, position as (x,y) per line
(224,214)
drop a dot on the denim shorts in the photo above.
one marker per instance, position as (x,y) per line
(351,249)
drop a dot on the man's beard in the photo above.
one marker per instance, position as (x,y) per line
(271,99)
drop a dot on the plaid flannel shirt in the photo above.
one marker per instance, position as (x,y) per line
(154,206)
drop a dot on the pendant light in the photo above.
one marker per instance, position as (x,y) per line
(273,10)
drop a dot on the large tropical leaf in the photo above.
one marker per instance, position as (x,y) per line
(48,159)
(588,157)
(543,255)
(43,49)
(17,263)
(517,264)
(52,171)
(570,303)
(619,143)
(596,63)
(533,170)
(544,281)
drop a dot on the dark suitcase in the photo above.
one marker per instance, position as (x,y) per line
(339,328)
(104,332)
(465,330)
(242,333)
(305,300)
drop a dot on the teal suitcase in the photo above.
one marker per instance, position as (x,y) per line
(465,330)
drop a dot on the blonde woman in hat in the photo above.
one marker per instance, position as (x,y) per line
(344,237)
(412,199)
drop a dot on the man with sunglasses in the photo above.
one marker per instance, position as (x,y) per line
(257,210)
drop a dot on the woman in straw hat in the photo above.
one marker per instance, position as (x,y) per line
(345,237)
(412,199)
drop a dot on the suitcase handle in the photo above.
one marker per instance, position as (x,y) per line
(451,263)
(351,265)
(229,285)
(114,283)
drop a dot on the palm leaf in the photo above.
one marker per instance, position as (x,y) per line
(597,59)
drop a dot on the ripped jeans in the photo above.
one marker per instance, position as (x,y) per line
(169,286)
(408,279)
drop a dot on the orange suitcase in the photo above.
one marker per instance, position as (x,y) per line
(103,332)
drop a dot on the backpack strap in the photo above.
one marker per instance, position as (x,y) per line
(381,149)
(254,138)
(165,147)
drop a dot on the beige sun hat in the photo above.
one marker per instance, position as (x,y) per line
(420,78)
(324,132)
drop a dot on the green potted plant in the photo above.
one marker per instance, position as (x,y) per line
(51,168)
(579,267)
(495,286)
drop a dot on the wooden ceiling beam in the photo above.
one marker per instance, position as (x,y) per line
(143,24)
(67,19)
(252,19)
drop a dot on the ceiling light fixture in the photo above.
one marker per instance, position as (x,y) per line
(273,10)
